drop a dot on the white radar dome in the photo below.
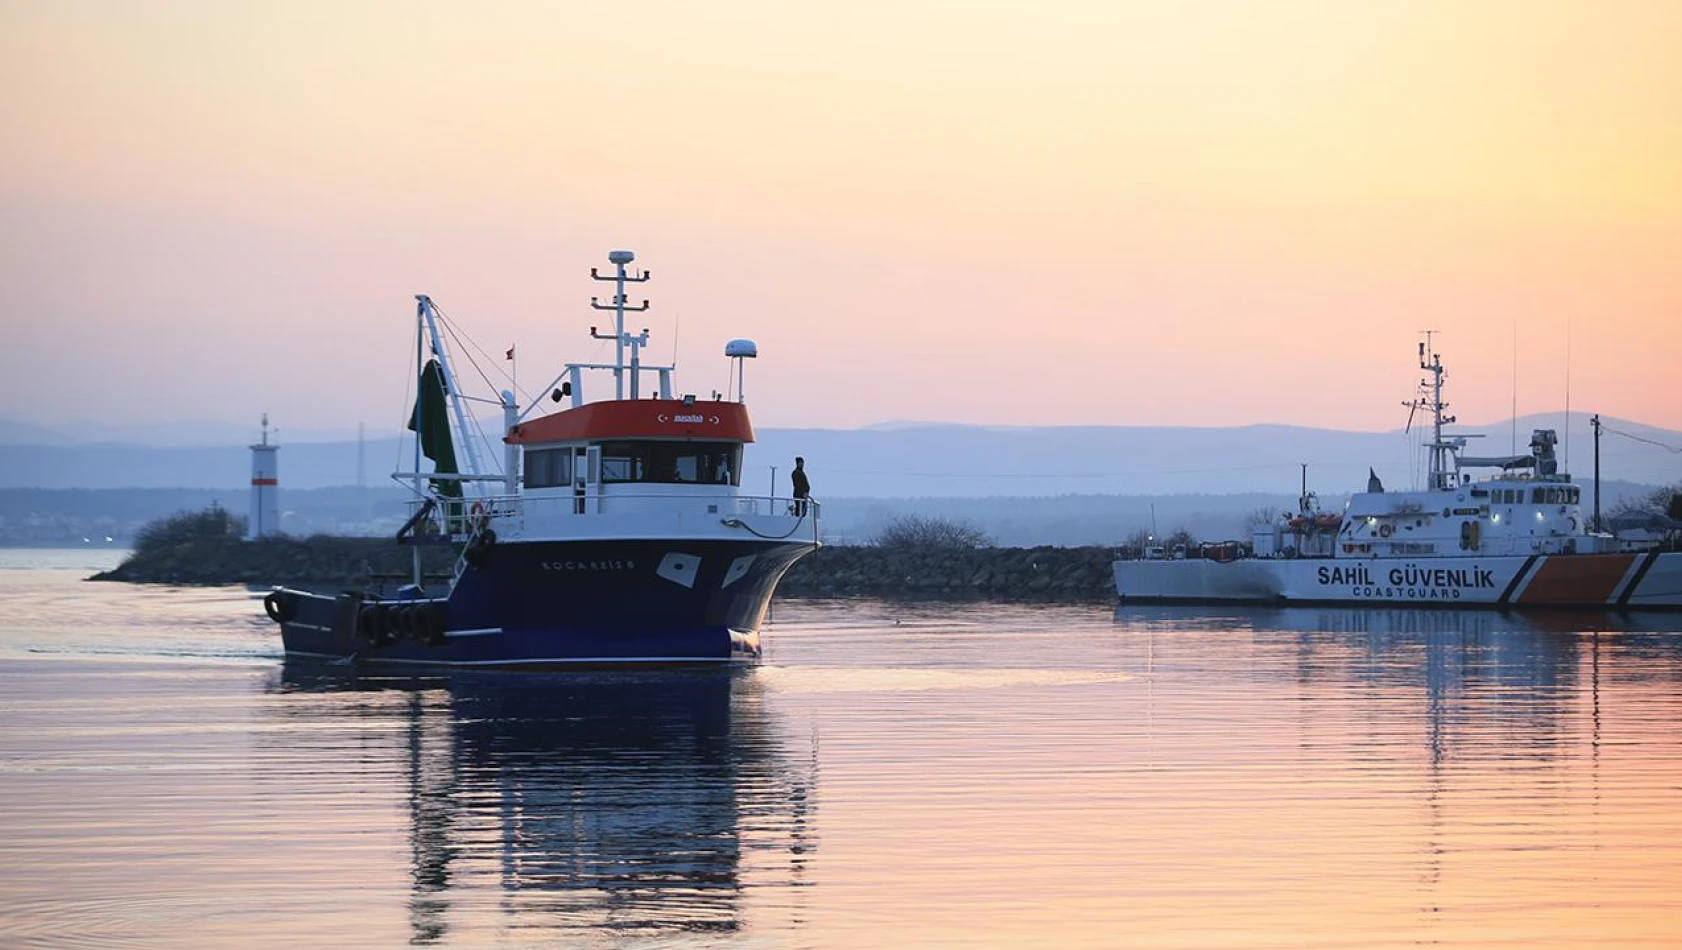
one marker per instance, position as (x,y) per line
(741,348)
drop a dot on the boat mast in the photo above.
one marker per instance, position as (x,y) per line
(620,338)
(464,436)
(1431,398)
(420,353)
(1595,422)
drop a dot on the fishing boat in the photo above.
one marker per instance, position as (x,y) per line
(616,530)
(1514,537)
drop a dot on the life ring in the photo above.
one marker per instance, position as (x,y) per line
(277,607)
(477,518)
(1385,530)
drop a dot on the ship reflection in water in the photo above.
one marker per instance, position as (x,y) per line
(635,803)
(992,775)
(1476,670)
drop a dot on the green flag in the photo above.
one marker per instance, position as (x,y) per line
(431,421)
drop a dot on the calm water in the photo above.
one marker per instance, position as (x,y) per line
(893,776)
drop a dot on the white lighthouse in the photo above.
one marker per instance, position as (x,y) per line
(265,488)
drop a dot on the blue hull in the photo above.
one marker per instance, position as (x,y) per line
(559,603)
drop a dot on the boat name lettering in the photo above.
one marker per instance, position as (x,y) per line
(1359,575)
(608,565)
(1412,576)
(689,418)
(1338,576)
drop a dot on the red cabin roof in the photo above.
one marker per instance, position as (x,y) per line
(639,419)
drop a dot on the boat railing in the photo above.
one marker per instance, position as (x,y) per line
(1197,551)
(461,519)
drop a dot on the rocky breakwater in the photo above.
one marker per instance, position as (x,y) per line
(1045,573)
(321,562)
(206,548)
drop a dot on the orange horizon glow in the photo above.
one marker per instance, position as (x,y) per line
(1149,213)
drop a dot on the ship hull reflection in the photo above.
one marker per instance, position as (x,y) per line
(636,801)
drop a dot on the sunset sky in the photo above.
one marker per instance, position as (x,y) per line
(1127,213)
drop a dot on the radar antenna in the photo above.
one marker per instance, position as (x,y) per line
(620,338)
(1430,398)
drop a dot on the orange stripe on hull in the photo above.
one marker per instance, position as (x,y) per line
(265,481)
(1577,579)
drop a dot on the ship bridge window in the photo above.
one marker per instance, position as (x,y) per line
(677,463)
(548,468)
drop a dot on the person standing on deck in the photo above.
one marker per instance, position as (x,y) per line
(802,487)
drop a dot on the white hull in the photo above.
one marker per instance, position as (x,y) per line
(1647,580)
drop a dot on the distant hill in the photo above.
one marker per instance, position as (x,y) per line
(940,461)
(13,432)
(186,434)
(913,460)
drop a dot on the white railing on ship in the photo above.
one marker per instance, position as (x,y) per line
(686,510)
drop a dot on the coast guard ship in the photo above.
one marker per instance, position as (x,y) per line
(1515,538)
(616,530)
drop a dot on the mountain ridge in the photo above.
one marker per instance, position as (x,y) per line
(936,460)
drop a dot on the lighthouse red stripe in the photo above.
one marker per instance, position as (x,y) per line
(265,481)
(1577,579)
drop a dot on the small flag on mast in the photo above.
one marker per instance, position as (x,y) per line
(511,352)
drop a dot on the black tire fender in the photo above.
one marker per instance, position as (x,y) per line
(278,606)
(429,624)
(402,621)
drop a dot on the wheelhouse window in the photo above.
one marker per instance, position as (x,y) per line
(672,463)
(548,468)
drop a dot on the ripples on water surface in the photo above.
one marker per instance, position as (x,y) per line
(892,776)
